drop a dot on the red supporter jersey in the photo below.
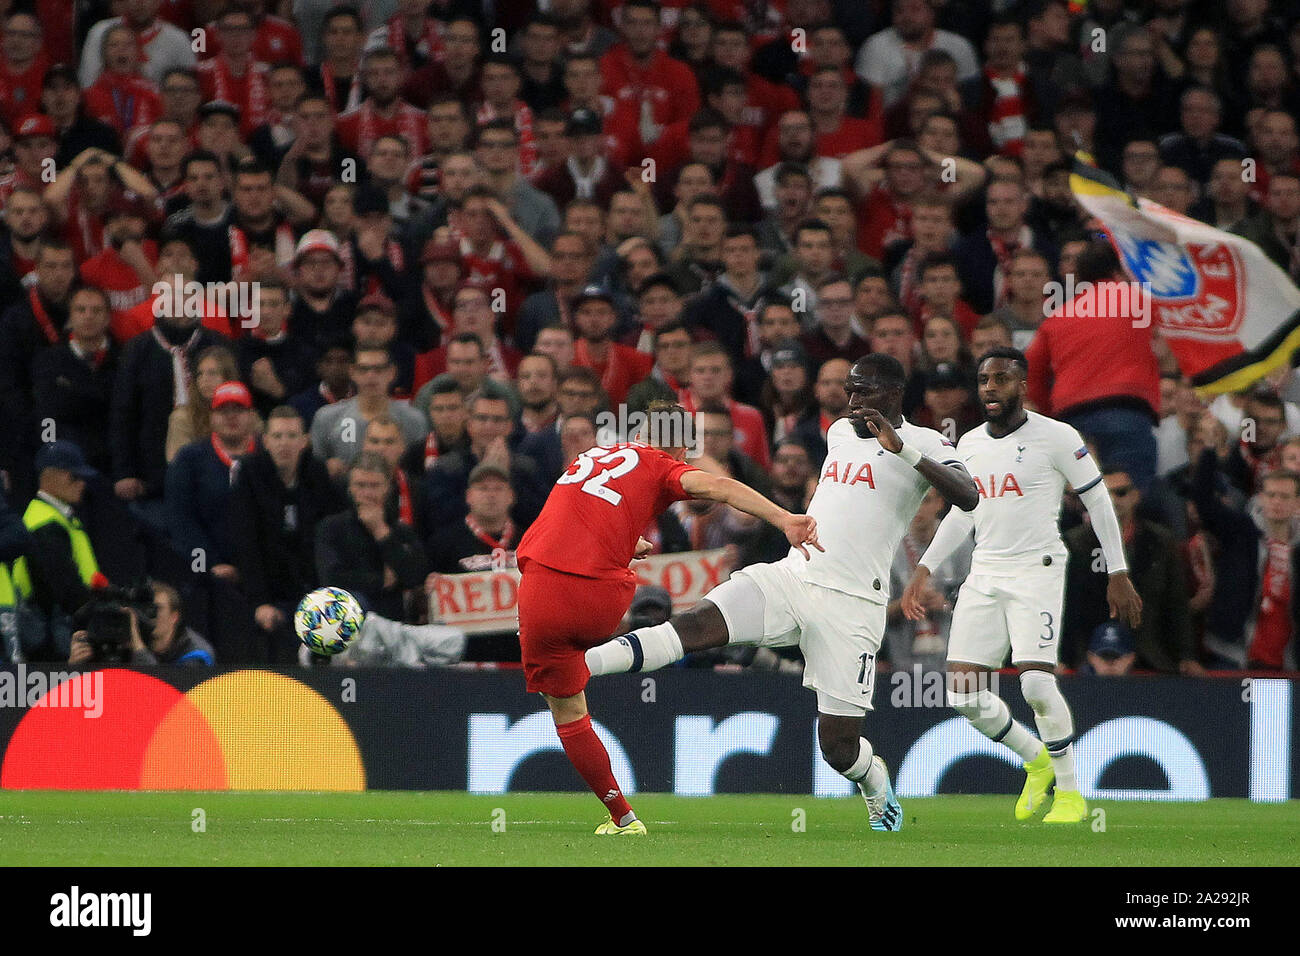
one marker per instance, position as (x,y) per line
(599,507)
(275,41)
(20,93)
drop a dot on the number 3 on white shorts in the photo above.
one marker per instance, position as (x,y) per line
(585,463)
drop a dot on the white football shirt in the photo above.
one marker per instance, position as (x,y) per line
(1021,477)
(866,497)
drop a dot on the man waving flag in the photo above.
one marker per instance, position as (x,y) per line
(1229,314)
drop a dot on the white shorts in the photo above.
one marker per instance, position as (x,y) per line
(839,634)
(995,614)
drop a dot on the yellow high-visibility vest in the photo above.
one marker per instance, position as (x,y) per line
(40,513)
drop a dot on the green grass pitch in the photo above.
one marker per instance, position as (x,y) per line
(520,829)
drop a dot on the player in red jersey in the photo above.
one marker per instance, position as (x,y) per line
(576,584)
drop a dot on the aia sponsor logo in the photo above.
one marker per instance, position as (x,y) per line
(998,487)
(848,473)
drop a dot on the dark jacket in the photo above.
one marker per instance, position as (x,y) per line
(348,557)
(1236,561)
(21,340)
(446,482)
(14,537)
(143,397)
(976,263)
(198,504)
(1164,638)
(293,359)
(274,528)
(76,394)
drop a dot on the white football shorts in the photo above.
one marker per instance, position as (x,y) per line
(997,613)
(839,634)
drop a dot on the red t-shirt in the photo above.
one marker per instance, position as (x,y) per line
(599,507)
(20,93)
(110,272)
(276,41)
(668,85)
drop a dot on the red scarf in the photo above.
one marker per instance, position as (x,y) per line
(1003,250)
(238,252)
(431,452)
(143,38)
(42,317)
(226,460)
(331,90)
(1273,619)
(405,510)
(429,46)
(441,318)
(259,99)
(1007,112)
(503,543)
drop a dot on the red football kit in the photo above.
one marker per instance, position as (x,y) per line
(576,584)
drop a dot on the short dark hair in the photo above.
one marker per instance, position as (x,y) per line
(707,119)
(886,367)
(814,225)
(1012,355)
(1097,262)
(468,338)
(198,156)
(342,10)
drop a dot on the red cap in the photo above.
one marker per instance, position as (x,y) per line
(34,124)
(378,302)
(232,393)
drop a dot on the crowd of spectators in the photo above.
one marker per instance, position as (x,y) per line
(453,232)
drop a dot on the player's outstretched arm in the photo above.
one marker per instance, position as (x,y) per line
(799,530)
(953,530)
(1121,595)
(951,481)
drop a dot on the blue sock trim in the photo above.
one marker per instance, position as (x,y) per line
(1057,747)
(638,655)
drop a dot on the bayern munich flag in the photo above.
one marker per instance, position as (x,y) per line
(1229,314)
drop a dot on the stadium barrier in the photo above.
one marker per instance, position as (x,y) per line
(483,602)
(683,731)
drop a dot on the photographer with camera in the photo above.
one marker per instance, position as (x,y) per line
(170,641)
(54,579)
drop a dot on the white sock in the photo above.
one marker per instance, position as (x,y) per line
(865,772)
(626,819)
(1055,725)
(649,647)
(989,714)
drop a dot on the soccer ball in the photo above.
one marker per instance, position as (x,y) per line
(328,619)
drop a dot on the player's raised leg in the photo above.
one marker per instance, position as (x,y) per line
(970,695)
(1056,727)
(650,648)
